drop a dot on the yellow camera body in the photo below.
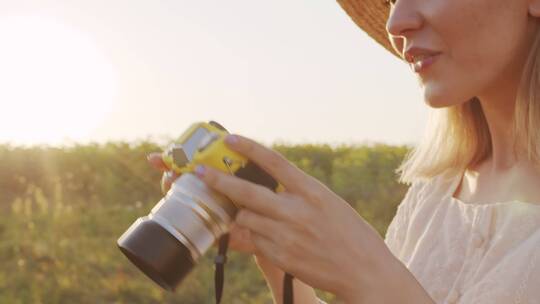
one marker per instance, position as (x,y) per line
(202,144)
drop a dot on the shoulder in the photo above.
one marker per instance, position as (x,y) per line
(445,182)
(439,184)
(425,194)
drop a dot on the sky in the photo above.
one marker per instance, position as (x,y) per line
(295,71)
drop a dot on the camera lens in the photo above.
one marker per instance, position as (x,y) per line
(183,225)
(156,252)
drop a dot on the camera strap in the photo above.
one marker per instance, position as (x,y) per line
(220,260)
(253,173)
(219,274)
(288,295)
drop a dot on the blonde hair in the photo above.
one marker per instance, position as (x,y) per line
(458,137)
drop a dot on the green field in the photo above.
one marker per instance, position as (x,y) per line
(62,210)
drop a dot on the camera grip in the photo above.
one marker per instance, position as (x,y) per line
(253,173)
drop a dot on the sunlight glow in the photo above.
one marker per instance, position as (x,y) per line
(55,84)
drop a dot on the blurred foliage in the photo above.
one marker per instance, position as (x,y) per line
(64,208)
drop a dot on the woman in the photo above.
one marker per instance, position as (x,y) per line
(468,229)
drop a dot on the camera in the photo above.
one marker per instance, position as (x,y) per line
(167,243)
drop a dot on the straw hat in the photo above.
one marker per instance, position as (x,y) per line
(370,16)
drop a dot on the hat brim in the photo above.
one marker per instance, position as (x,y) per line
(370,16)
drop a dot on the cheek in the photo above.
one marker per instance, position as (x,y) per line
(460,77)
(479,39)
(455,26)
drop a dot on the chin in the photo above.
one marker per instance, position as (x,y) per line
(436,105)
(436,100)
(440,98)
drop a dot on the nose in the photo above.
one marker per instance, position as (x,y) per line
(404,20)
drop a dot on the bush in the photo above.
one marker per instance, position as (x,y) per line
(64,208)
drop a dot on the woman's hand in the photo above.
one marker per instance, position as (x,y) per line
(307,230)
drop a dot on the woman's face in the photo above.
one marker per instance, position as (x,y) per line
(478,46)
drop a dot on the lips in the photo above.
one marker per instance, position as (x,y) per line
(421,65)
(420,58)
(416,53)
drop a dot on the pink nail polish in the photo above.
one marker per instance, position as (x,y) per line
(200,170)
(231,139)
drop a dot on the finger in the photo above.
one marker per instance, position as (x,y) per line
(238,233)
(241,232)
(167,179)
(268,249)
(262,225)
(287,174)
(240,239)
(244,193)
(156,161)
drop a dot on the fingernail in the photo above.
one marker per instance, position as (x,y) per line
(200,170)
(231,139)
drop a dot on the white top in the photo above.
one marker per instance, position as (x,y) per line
(468,253)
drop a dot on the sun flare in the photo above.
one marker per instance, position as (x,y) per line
(55,83)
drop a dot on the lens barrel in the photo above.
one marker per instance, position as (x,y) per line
(156,252)
(183,225)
